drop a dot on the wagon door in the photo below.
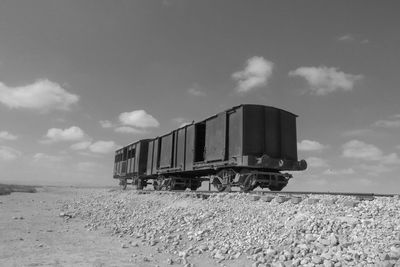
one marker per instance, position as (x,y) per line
(216,138)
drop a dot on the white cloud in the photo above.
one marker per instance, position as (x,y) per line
(138,118)
(43,95)
(351,38)
(8,153)
(128,129)
(42,157)
(387,123)
(324,80)
(4,135)
(196,90)
(106,124)
(73,133)
(256,74)
(356,149)
(309,145)
(359,150)
(392,158)
(81,145)
(314,162)
(103,147)
(346,38)
(339,171)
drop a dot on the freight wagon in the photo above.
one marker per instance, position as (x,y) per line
(246,146)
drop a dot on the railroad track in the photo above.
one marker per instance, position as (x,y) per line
(360,196)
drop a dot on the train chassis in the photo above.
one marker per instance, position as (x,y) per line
(224,179)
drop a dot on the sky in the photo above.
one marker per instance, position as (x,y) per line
(78,79)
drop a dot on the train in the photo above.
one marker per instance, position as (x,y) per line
(246,146)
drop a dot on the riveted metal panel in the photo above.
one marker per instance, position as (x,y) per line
(272,126)
(142,156)
(189,148)
(149,169)
(180,148)
(288,136)
(253,130)
(156,155)
(137,157)
(215,138)
(166,152)
(235,136)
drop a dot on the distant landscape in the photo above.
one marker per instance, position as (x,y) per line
(6,189)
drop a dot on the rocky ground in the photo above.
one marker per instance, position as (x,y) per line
(242,230)
(103,227)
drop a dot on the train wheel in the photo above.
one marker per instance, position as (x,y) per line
(218,185)
(139,185)
(171,185)
(246,184)
(156,186)
(123,184)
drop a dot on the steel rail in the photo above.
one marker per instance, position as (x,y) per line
(356,194)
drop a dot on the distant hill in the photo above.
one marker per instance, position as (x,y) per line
(6,189)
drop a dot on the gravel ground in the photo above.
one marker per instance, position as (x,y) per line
(335,231)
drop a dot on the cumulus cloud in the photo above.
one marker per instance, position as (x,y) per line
(256,74)
(356,149)
(346,38)
(359,150)
(4,135)
(103,147)
(138,118)
(339,171)
(309,145)
(351,38)
(314,162)
(42,95)
(196,90)
(106,124)
(8,153)
(387,123)
(392,158)
(81,145)
(128,129)
(324,80)
(73,133)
